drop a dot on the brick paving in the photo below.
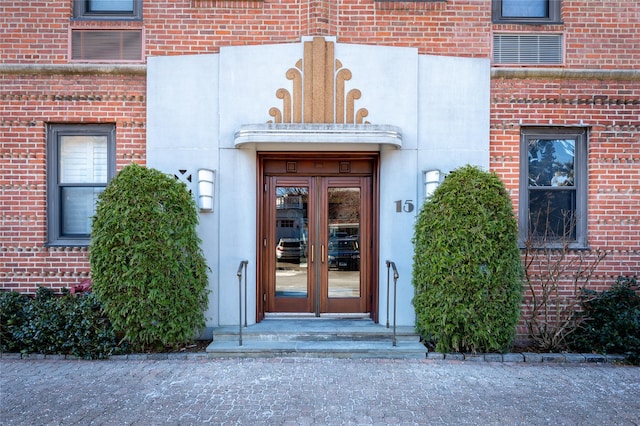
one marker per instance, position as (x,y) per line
(308,391)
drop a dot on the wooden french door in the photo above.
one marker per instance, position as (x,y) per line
(317,240)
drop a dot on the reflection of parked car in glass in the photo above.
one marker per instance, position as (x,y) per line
(289,249)
(344,253)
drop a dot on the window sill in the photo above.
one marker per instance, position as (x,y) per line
(525,22)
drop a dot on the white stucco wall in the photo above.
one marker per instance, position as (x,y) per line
(197,103)
(182,134)
(454,112)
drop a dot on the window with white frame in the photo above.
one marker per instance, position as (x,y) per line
(526,11)
(553,187)
(80,163)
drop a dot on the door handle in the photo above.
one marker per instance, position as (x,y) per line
(312,246)
(322,254)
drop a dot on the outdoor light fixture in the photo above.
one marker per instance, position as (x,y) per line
(431,182)
(205,189)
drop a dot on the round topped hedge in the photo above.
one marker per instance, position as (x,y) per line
(467,270)
(146,263)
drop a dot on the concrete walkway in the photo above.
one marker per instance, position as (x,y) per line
(305,391)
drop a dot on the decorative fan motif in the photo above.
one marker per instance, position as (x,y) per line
(318,90)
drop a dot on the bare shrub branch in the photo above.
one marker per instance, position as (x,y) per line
(554,274)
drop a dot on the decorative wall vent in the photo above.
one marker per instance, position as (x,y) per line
(318,90)
(106,45)
(185,176)
(527,49)
(227,4)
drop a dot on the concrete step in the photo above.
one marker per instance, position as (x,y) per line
(341,338)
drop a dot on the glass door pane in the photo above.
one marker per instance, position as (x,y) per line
(343,222)
(292,235)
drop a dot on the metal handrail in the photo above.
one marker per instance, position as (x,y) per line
(243,265)
(390,265)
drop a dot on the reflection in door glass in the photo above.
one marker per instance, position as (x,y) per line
(344,242)
(291,237)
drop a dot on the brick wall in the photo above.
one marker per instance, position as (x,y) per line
(612,110)
(602,34)
(28,104)
(39,31)
(458,28)
(599,34)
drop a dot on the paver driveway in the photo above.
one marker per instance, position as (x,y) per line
(315,391)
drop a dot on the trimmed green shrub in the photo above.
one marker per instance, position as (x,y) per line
(609,321)
(90,334)
(146,263)
(51,324)
(11,318)
(42,330)
(467,271)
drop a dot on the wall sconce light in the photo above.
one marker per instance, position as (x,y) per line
(206,180)
(432,179)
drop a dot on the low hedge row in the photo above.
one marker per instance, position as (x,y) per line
(609,321)
(50,324)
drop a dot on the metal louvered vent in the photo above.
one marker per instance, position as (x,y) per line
(106,45)
(527,49)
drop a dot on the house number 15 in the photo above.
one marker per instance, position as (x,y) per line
(406,206)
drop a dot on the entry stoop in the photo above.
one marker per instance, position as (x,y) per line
(316,337)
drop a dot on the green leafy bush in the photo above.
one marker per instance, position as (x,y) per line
(147,267)
(51,324)
(609,321)
(90,334)
(44,320)
(467,271)
(11,318)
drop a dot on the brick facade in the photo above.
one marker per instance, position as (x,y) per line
(598,86)
(612,109)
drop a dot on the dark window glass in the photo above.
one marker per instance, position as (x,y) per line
(77,207)
(552,215)
(551,211)
(551,162)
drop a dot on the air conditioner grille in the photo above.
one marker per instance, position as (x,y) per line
(106,45)
(527,49)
